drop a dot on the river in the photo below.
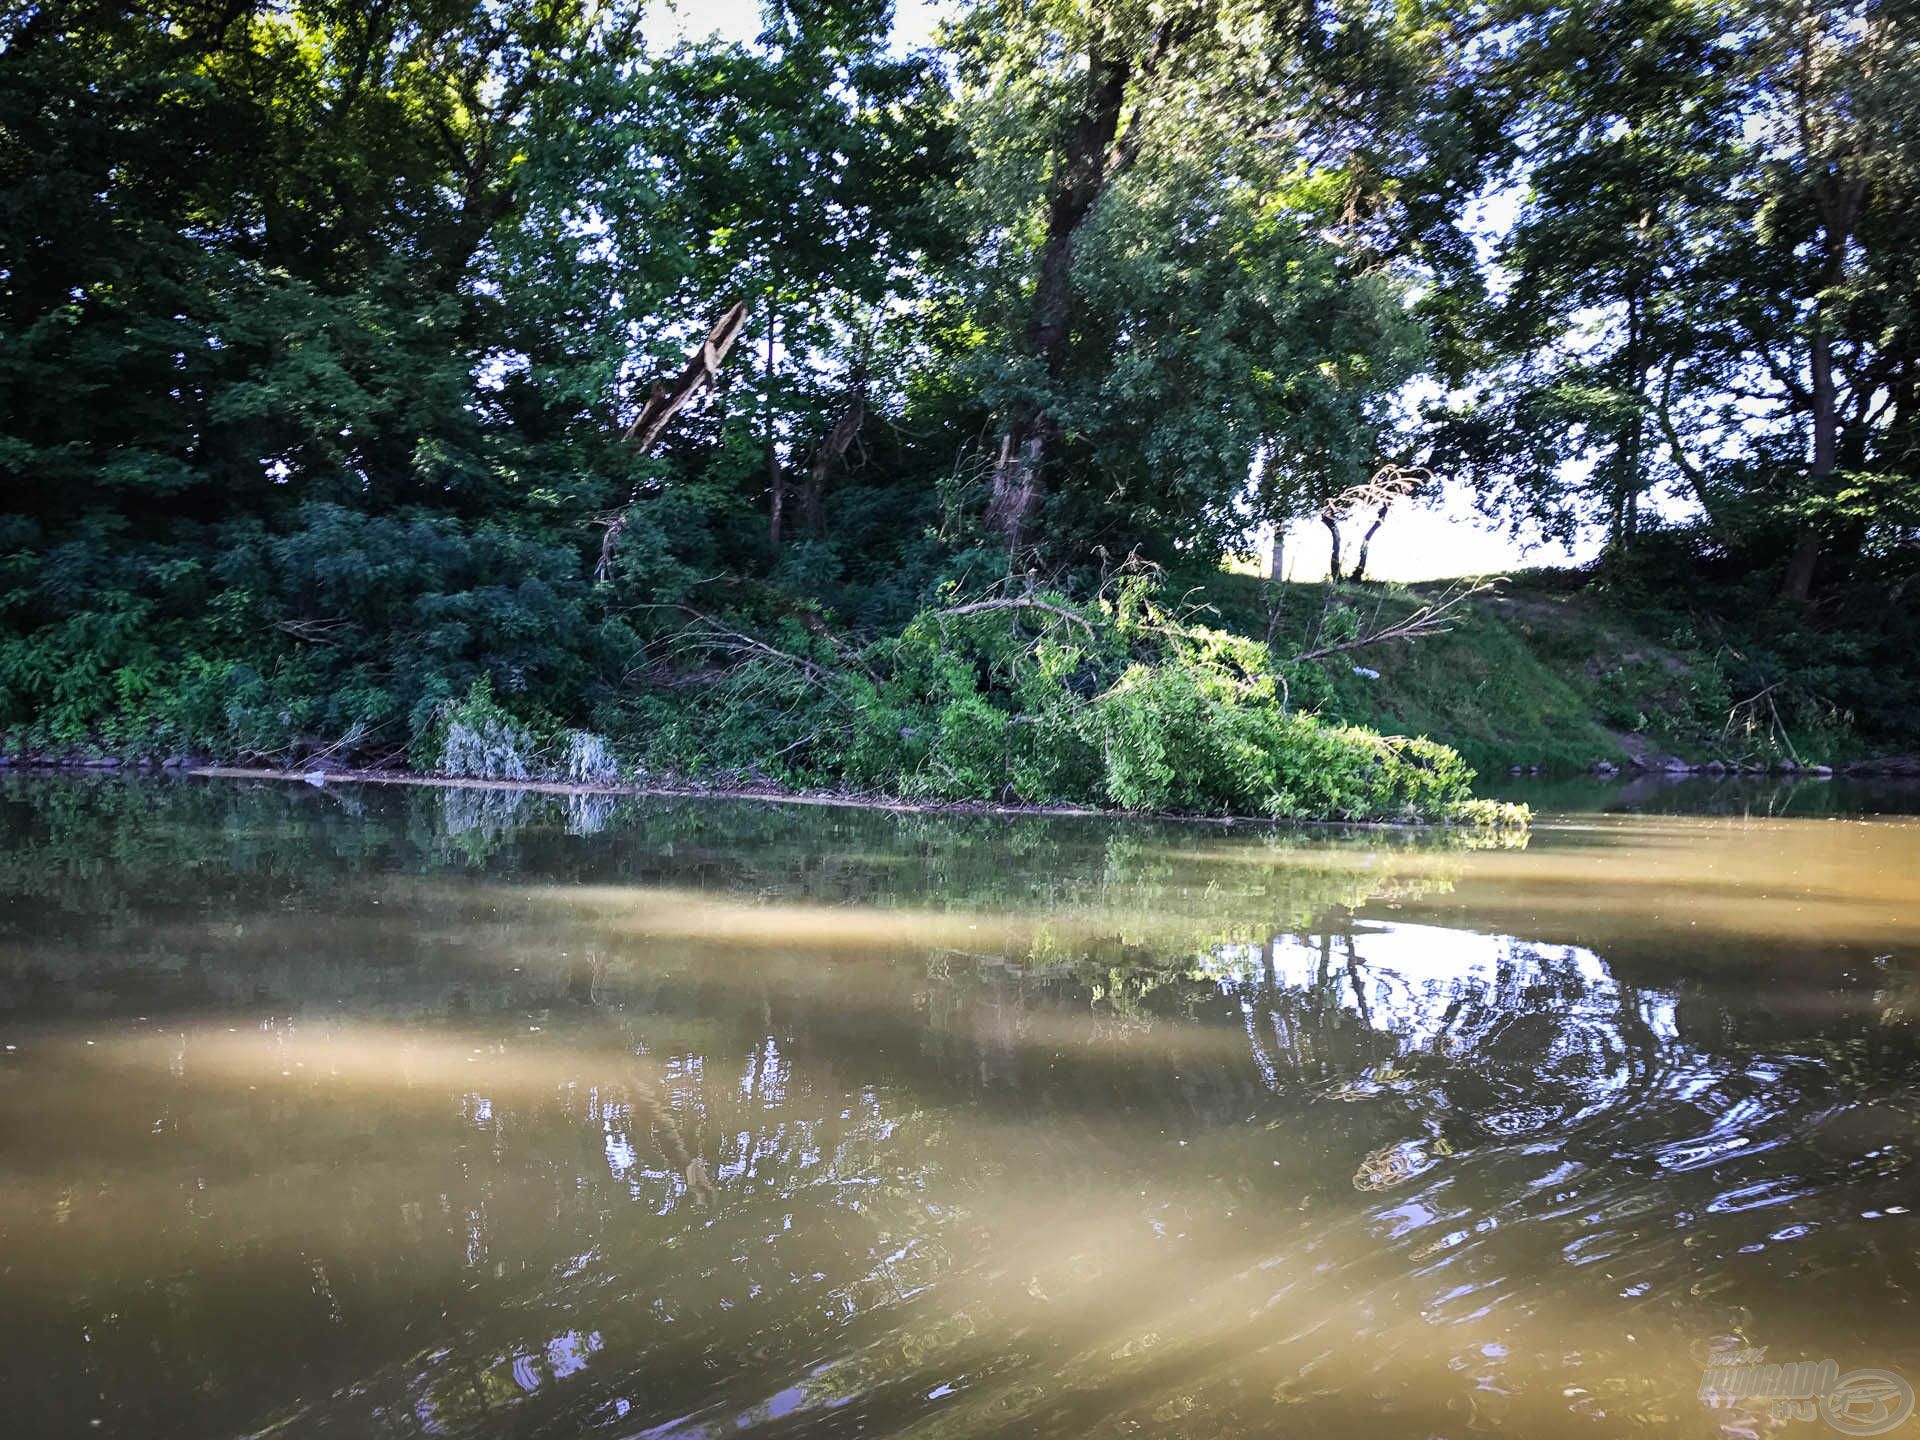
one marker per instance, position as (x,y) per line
(394,1112)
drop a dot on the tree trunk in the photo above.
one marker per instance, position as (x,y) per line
(776,496)
(1366,543)
(1629,478)
(832,452)
(1332,522)
(1841,207)
(703,367)
(1090,161)
(1276,577)
(1798,584)
(1016,476)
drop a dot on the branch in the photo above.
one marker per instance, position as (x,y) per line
(1676,444)
(1434,619)
(1021,602)
(716,636)
(318,632)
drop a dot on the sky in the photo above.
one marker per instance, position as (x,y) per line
(913,20)
(1438,540)
(1441,538)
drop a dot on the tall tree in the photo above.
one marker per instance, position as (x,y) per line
(246,241)
(1170,208)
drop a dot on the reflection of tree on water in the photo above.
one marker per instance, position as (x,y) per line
(129,834)
(480,820)
(1475,1037)
(648,1098)
(648,1103)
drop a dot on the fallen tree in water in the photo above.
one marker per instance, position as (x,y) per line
(1020,697)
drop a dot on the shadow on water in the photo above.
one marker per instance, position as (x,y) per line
(460,1113)
(1800,797)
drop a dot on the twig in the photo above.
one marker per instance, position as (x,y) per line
(316,632)
(1437,618)
(716,636)
(1019,602)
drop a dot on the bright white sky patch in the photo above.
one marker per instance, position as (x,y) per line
(1433,540)
(740,20)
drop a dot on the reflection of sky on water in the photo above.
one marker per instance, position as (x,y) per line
(1549,1035)
(1413,980)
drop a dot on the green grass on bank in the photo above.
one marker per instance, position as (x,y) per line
(1544,671)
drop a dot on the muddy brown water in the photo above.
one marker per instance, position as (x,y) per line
(365,1112)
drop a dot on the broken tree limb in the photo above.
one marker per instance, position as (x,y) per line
(702,365)
(1435,618)
(663,404)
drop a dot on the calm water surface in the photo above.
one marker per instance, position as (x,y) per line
(402,1112)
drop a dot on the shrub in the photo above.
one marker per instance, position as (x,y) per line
(477,739)
(1113,705)
(588,759)
(480,651)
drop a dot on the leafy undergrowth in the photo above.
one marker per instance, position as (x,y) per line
(1039,700)
(357,641)
(1484,688)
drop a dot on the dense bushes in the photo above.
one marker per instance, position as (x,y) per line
(476,650)
(336,628)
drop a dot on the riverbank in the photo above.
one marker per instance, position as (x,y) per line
(1224,696)
(1031,697)
(1554,672)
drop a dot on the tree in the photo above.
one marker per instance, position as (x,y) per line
(1172,269)
(799,170)
(1707,286)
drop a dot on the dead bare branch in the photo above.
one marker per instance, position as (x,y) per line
(833,452)
(1437,617)
(316,632)
(706,635)
(1015,602)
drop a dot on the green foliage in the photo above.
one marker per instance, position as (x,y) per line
(475,738)
(339,629)
(1114,705)
(1562,669)
(1491,688)
(1707,288)
(1034,700)
(1227,301)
